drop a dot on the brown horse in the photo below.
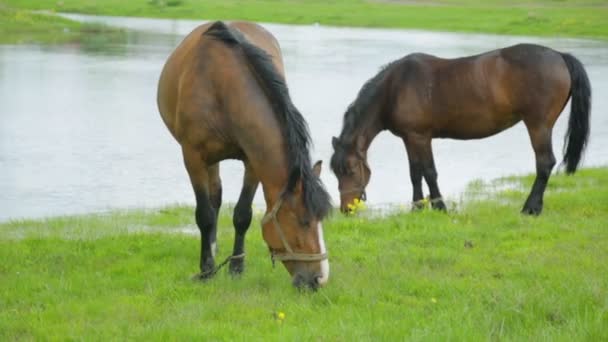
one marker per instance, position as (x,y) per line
(420,97)
(223,95)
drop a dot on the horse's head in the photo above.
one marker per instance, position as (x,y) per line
(294,234)
(350,166)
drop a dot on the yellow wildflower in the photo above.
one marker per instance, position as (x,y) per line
(356,206)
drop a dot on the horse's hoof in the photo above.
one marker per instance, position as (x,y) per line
(418,206)
(532,210)
(237,266)
(203,276)
(439,205)
(207,270)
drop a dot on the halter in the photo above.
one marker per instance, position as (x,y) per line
(360,187)
(289,255)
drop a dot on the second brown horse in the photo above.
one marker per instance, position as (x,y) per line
(421,97)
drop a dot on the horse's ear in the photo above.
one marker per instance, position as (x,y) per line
(335,142)
(317,168)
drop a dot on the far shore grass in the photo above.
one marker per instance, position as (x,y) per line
(568,18)
(20,26)
(482,271)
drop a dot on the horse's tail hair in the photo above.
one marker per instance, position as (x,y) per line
(577,134)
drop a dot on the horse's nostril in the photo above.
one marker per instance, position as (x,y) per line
(311,282)
(314,284)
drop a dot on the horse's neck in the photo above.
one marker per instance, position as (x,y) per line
(272,170)
(261,140)
(365,132)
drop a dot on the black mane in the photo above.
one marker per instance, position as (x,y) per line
(354,117)
(295,130)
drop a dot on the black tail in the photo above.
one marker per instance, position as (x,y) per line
(577,135)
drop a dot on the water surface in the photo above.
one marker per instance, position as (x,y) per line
(80,131)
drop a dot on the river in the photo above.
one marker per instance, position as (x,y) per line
(80,131)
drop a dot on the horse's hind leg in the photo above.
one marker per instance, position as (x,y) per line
(242,219)
(540,136)
(420,150)
(215,196)
(205,212)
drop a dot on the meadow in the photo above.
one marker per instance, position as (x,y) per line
(573,18)
(480,272)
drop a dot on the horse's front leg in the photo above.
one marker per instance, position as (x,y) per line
(205,213)
(242,219)
(415,175)
(422,149)
(215,196)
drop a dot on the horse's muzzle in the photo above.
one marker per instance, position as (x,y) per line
(307,280)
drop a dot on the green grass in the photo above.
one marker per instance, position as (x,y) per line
(562,18)
(126,275)
(18,26)
(21,26)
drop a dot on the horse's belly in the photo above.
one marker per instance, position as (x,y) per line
(477,127)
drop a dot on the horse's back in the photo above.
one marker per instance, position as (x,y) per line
(192,70)
(262,38)
(492,90)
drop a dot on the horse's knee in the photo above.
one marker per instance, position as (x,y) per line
(430,173)
(242,218)
(216,195)
(205,217)
(428,170)
(415,172)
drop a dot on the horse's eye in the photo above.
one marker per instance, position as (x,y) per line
(305,222)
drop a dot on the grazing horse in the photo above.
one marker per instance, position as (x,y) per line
(222,94)
(420,97)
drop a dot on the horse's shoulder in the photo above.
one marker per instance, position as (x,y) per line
(417,64)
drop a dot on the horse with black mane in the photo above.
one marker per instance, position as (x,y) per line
(420,97)
(222,94)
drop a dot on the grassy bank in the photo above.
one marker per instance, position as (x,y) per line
(484,272)
(19,26)
(544,17)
